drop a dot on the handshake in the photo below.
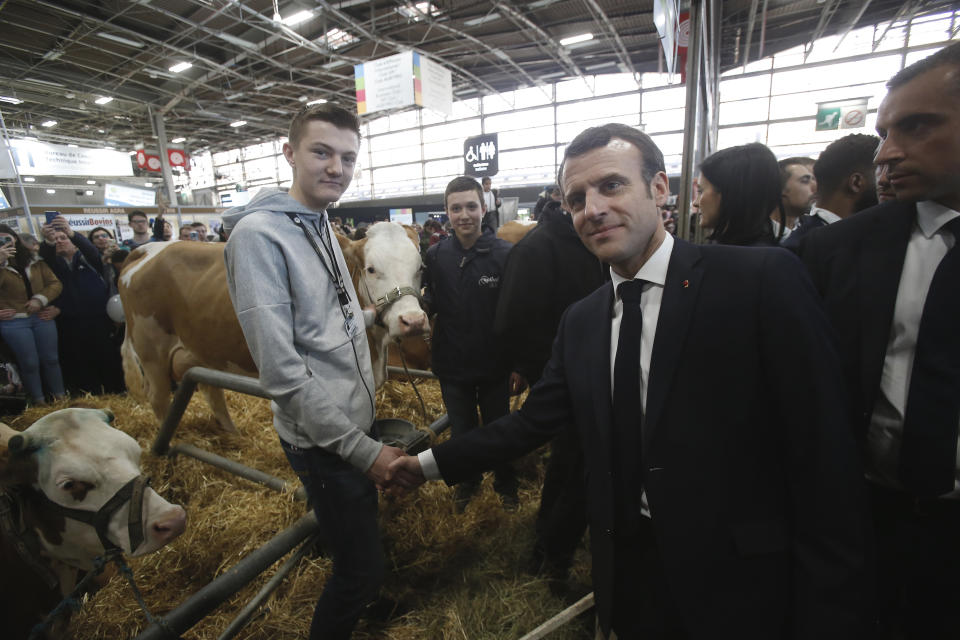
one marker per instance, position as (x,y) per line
(396,473)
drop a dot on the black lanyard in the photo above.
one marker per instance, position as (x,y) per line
(333,269)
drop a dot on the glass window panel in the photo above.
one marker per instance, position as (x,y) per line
(664,99)
(284,172)
(615,83)
(916,56)
(466,108)
(399,188)
(743,88)
(835,75)
(533,96)
(568,131)
(669,120)
(453,130)
(669,144)
(615,107)
(651,80)
(734,136)
(519,120)
(497,103)
(754,110)
(449,167)
(382,157)
(763,64)
(226,157)
(429,116)
(788,58)
(526,158)
(673,163)
(930,30)
(436,183)
(804,131)
(229,173)
(530,137)
(261,168)
(443,149)
(398,173)
(894,38)
(405,120)
(258,150)
(525,176)
(575,89)
(403,139)
(805,104)
(378,125)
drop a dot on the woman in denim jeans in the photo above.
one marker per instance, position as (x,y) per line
(27,286)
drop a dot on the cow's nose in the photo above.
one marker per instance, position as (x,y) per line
(170,525)
(412,323)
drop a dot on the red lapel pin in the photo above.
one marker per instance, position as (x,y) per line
(686,284)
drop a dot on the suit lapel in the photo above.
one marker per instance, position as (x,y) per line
(878,272)
(597,341)
(680,293)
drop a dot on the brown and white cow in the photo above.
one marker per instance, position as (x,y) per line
(55,477)
(179,315)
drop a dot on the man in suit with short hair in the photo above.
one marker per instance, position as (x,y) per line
(890,279)
(719,506)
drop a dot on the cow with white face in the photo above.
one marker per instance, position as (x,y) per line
(179,315)
(71,490)
(386,275)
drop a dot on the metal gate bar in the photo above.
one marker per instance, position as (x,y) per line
(416,373)
(211,596)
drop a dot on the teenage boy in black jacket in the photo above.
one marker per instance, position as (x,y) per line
(462,281)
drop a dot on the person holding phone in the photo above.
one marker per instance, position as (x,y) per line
(103,240)
(27,286)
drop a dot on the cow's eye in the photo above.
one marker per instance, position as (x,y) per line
(76,488)
(371,270)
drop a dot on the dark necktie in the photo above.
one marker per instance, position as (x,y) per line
(627,408)
(928,454)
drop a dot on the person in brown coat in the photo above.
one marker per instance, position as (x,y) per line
(27,286)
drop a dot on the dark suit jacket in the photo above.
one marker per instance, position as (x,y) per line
(807,224)
(756,498)
(855,264)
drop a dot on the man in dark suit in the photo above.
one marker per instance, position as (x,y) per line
(719,506)
(890,279)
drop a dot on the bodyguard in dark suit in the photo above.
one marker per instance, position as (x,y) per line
(719,506)
(890,279)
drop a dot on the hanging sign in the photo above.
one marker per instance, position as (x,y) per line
(842,114)
(34,158)
(480,156)
(403,80)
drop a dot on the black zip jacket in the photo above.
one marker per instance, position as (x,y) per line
(462,289)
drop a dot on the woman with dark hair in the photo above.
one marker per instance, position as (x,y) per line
(27,285)
(739,187)
(106,246)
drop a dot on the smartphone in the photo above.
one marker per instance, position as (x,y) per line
(194,235)
(51,215)
(5,240)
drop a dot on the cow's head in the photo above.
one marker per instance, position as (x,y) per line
(71,463)
(386,269)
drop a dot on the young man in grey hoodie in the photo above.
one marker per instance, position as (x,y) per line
(303,323)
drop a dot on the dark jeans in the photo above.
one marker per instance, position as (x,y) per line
(918,562)
(493,397)
(34,341)
(345,502)
(562,518)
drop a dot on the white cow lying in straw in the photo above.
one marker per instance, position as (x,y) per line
(70,486)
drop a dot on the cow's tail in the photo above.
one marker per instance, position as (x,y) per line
(133,369)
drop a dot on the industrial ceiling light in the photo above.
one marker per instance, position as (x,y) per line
(487,18)
(297,18)
(48,123)
(180,66)
(178,140)
(88,192)
(583,37)
(103,100)
(11,100)
(91,182)
(51,191)
(148,185)
(120,39)
(264,85)
(238,123)
(233,96)
(29,179)
(317,101)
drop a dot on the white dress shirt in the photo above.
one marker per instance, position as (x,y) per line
(928,243)
(490,200)
(827,216)
(654,272)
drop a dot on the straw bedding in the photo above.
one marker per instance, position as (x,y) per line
(449,576)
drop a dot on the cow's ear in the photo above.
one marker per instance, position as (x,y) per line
(107,415)
(16,470)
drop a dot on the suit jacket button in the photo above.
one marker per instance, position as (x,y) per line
(609,532)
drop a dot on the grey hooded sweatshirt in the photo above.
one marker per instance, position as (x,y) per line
(318,376)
